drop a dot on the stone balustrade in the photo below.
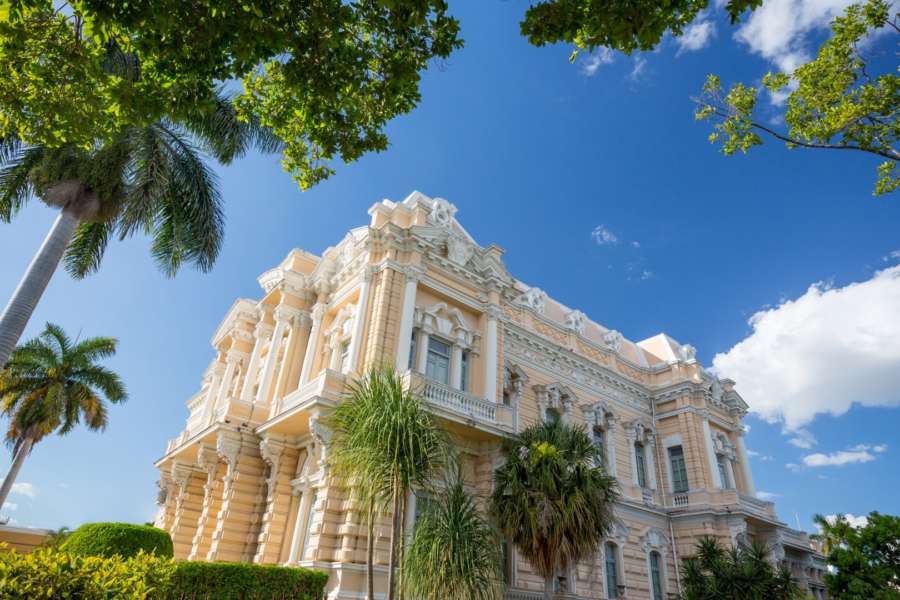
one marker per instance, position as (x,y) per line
(462,404)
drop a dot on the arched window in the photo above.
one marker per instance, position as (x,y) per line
(655,576)
(640,464)
(612,570)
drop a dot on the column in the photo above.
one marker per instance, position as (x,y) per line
(490,353)
(456,366)
(413,274)
(299,529)
(631,436)
(611,446)
(212,390)
(421,360)
(232,359)
(261,332)
(317,314)
(285,382)
(745,463)
(334,361)
(359,324)
(729,470)
(283,315)
(711,455)
(651,460)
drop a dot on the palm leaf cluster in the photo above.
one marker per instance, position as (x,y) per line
(742,573)
(454,554)
(52,383)
(551,499)
(153,180)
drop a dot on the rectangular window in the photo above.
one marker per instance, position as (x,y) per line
(612,571)
(600,444)
(639,463)
(437,367)
(679,470)
(412,351)
(464,371)
(561,583)
(723,472)
(424,505)
(655,577)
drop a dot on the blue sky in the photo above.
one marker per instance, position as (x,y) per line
(538,154)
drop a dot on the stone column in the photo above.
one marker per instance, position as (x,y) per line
(359,323)
(729,470)
(318,313)
(413,274)
(650,456)
(631,436)
(420,362)
(611,446)
(745,463)
(456,366)
(334,360)
(711,455)
(303,508)
(288,374)
(189,488)
(232,360)
(208,461)
(283,316)
(492,312)
(262,333)
(279,458)
(216,372)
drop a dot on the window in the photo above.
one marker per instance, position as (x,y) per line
(412,351)
(551,415)
(612,571)
(655,578)
(437,367)
(424,505)
(640,465)
(345,357)
(723,472)
(561,583)
(600,443)
(464,371)
(310,513)
(506,555)
(679,470)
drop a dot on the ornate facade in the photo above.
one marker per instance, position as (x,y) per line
(246,480)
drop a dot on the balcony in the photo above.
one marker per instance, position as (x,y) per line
(462,406)
(696,499)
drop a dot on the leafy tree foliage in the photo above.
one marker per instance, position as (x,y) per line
(625,25)
(551,498)
(834,102)
(717,573)
(866,560)
(325,75)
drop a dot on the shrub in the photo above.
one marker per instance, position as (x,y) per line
(239,581)
(118,539)
(48,573)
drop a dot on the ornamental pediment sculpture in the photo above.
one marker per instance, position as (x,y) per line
(534,298)
(576,320)
(459,250)
(447,322)
(557,397)
(441,214)
(654,539)
(687,353)
(612,339)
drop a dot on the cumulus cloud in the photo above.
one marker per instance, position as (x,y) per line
(696,36)
(767,496)
(860,521)
(803,439)
(604,236)
(24,489)
(637,71)
(592,64)
(829,349)
(858,454)
(760,455)
(891,256)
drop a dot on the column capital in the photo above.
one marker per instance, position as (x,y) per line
(493,312)
(235,357)
(414,273)
(367,274)
(262,330)
(242,335)
(318,312)
(285,313)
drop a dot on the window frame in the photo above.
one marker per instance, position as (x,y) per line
(640,463)
(675,472)
(447,358)
(611,568)
(657,587)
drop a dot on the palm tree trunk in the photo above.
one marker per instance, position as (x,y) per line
(14,469)
(370,551)
(402,550)
(395,515)
(17,313)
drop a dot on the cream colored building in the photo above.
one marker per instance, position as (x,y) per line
(246,480)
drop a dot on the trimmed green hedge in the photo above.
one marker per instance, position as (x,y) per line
(49,573)
(240,581)
(118,539)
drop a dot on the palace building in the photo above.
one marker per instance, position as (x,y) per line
(247,478)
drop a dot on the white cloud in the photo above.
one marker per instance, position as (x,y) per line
(10,506)
(760,455)
(860,453)
(635,244)
(824,352)
(779,30)
(638,70)
(696,36)
(595,60)
(860,521)
(24,489)
(604,236)
(646,274)
(767,496)
(803,439)
(891,256)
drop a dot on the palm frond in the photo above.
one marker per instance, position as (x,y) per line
(85,252)
(15,183)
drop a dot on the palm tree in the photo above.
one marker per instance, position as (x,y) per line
(52,384)
(454,554)
(717,573)
(551,499)
(384,436)
(152,179)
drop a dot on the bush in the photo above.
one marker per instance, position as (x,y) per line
(118,539)
(239,581)
(48,573)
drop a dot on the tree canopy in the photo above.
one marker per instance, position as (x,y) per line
(325,75)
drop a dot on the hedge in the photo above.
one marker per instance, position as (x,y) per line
(241,581)
(50,573)
(118,539)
